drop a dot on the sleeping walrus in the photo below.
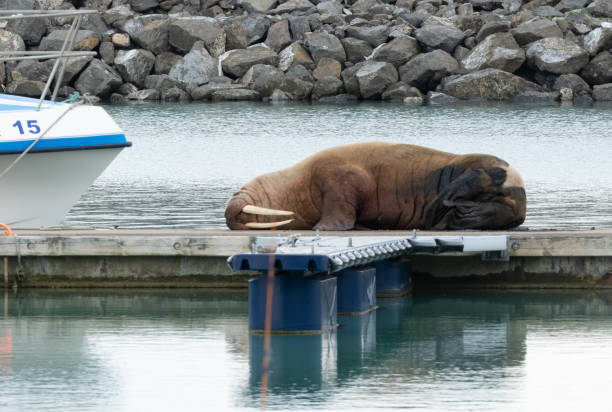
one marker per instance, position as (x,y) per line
(383,186)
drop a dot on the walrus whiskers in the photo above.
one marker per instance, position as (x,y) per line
(258,225)
(256,210)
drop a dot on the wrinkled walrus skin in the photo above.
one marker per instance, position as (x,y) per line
(384,186)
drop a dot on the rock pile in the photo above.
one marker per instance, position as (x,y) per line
(330,51)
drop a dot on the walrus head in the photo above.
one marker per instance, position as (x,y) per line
(481,197)
(241,213)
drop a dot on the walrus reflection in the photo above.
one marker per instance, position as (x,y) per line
(381,185)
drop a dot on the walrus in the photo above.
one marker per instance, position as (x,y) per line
(381,185)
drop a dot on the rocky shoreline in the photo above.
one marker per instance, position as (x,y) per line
(414,51)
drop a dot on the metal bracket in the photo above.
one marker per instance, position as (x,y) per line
(497,255)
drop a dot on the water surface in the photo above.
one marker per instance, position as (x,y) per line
(188,159)
(191,351)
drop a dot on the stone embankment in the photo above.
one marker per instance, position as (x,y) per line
(414,51)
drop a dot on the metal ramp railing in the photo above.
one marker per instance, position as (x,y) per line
(332,254)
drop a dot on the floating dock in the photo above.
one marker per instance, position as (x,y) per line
(198,258)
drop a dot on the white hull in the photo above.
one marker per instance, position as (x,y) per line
(40,190)
(73,144)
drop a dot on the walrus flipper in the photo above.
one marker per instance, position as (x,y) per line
(338,213)
(475,200)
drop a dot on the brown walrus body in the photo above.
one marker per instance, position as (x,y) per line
(384,186)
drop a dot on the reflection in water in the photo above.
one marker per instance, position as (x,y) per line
(188,159)
(150,350)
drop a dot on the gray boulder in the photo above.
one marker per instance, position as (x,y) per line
(31,70)
(196,68)
(547,11)
(556,55)
(127,88)
(10,41)
(599,39)
(30,30)
(439,37)
(183,32)
(24,87)
(568,5)
(425,70)
(165,61)
(398,51)
(327,67)
(291,6)
(374,78)
(330,7)
(603,92)
(118,14)
(175,94)
(301,73)
(98,79)
(356,50)
(399,91)
(160,82)
(534,30)
(362,6)
(74,66)
(235,63)
(583,99)
(498,51)
(374,35)
(235,36)
(324,45)
(487,84)
(298,25)
(293,55)
(278,96)
(326,86)
(492,28)
(134,65)
(153,36)
(601,8)
(439,99)
(487,5)
(205,91)
(107,52)
(134,24)
(234,95)
(278,36)
(143,5)
(298,88)
(259,6)
(84,40)
(599,70)
(349,78)
(573,82)
(263,78)
(144,95)
(255,28)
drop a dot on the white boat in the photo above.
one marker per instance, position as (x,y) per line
(50,152)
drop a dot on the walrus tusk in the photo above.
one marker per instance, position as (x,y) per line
(256,210)
(257,225)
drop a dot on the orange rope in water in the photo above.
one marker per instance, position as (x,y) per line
(267,332)
(9,233)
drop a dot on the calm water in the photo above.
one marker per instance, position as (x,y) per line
(188,159)
(183,351)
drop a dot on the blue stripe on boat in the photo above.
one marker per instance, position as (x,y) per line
(14,108)
(64,142)
(25,99)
